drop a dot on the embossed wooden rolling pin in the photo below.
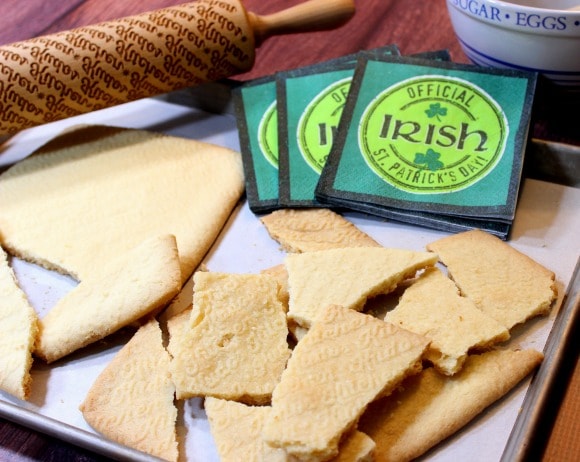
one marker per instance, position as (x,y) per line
(73,72)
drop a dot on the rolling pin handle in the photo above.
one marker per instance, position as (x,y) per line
(310,16)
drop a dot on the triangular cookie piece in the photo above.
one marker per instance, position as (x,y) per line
(132,400)
(430,407)
(346,277)
(124,290)
(432,307)
(18,332)
(503,282)
(92,193)
(346,360)
(235,346)
(306,230)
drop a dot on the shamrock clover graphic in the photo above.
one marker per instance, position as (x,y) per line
(435,110)
(429,160)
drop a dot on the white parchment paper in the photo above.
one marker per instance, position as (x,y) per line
(546,229)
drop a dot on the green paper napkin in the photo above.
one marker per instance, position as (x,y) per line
(256,112)
(433,141)
(310,103)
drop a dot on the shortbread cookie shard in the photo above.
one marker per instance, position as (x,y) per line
(123,291)
(430,407)
(347,277)
(91,194)
(279,273)
(503,282)
(237,431)
(175,327)
(432,307)
(346,360)
(235,346)
(132,400)
(306,230)
(18,332)
(358,447)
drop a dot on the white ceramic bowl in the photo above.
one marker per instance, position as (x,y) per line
(521,34)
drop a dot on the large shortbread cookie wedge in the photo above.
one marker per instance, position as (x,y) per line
(93,193)
(345,361)
(124,290)
(18,332)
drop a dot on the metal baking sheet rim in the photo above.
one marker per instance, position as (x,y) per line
(523,437)
(527,439)
(71,434)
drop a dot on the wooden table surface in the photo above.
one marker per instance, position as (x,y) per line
(414,25)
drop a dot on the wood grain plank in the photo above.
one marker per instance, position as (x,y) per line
(20,444)
(376,23)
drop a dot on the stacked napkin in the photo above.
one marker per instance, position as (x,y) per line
(416,139)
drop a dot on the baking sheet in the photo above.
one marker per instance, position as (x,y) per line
(545,228)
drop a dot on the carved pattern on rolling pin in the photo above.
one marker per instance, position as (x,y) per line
(69,73)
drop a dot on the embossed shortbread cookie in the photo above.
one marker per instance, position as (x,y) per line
(235,343)
(346,277)
(346,360)
(131,401)
(237,431)
(18,331)
(305,230)
(432,307)
(91,194)
(430,406)
(503,282)
(121,292)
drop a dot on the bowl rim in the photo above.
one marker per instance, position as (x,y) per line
(516,6)
(510,11)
